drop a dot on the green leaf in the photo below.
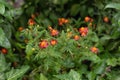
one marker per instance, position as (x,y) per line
(73,75)
(42,77)
(75,9)
(59,1)
(29,50)
(113,5)
(7,27)
(2,8)
(3,64)
(115,33)
(2,76)
(14,74)
(4,42)
(91,76)
(62,77)
(100,67)
(112,62)
(105,39)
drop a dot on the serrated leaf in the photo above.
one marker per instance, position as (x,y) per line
(14,74)
(4,42)
(113,5)
(2,8)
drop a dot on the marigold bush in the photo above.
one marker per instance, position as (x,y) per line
(59,40)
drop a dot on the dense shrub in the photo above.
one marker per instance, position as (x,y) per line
(59,40)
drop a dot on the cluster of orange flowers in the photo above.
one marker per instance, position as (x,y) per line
(62,21)
(54,32)
(89,20)
(44,43)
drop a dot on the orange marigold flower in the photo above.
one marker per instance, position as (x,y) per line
(94,50)
(83,31)
(76,37)
(31,22)
(54,32)
(53,42)
(106,19)
(87,19)
(43,44)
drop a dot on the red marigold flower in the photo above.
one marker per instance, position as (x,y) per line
(53,42)
(94,50)
(83,31)
(43,44)
(76,37)
(4,50)
(31,22)
(54,32)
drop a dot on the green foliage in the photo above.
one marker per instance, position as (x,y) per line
(4,42)
(2,8)
(113,5)
(92,56)
(8,73)
(72,75)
